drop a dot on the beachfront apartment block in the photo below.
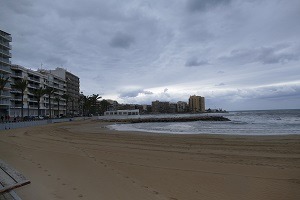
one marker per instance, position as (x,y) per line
(35,80)
(196,104)
(72,86)
(5,55)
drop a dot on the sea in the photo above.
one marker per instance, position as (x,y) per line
(254,122)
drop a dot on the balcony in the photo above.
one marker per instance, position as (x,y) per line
(5,94)
(34,79)
(5,68)
(5,61)
(7,37)
(4,102)
(33,86)
(6,44)
(16,99)
(6,53)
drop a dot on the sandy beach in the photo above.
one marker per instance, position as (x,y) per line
(85,160)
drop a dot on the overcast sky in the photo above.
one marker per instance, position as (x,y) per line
(239,54)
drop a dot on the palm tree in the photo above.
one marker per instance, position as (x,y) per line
(66,97)
(93,103)
(3,82)
(50,91)
(38,94)
(57,99)
(21,85)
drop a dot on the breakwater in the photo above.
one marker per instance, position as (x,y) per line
(169,119)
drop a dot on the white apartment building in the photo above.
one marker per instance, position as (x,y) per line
(36,79)
(5,55)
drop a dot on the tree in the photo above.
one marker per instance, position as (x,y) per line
(57,99)
(93,99)
(38,94)
(21,85)
(3,82)
(67,98)
(104,105)
(50,91)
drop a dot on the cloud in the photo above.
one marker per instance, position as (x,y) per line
(166,90)
(192,62)
(130,93)
(221,84)
(278,54)
(121,40)
(203,5)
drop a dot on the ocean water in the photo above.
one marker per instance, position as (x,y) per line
(262,122)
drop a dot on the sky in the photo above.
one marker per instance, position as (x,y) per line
(238,54)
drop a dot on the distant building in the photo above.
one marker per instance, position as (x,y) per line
(122,113)
(196,104)
(160,107)
(182,106)
(5,55)
(173,108)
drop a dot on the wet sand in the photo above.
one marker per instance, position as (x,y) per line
(84,160)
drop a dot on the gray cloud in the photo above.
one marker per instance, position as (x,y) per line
(195,62)
(115,45)
(264,55)
(203,5)
(133,93)
(121,40)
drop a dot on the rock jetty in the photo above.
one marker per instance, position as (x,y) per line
(169,119)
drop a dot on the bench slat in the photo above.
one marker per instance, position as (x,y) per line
(10,178)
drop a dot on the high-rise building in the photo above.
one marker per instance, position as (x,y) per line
(196,104)
(72,82)
(5,55)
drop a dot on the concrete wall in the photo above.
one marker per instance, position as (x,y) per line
(13,125)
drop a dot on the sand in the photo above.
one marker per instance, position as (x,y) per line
(84,160)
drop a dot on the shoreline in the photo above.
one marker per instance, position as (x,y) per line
(86,160)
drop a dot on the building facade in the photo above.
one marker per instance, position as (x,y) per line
(196,104)
(35,80)
(182,107)
(5,55)
(72,86)
(160,107)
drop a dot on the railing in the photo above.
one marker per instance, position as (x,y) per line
(6,61)
(33,86)
(5,52)
(34,79)
(5,68)
(4,102)
(6,44)
(7,37)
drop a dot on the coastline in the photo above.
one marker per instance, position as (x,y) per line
(85,160)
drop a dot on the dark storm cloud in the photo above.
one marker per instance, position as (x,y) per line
(121,40)
(203,5)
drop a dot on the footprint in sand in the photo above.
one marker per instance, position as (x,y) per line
(80,196)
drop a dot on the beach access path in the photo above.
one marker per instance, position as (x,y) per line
(85,160)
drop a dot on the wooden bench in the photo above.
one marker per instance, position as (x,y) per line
(10,179)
